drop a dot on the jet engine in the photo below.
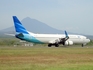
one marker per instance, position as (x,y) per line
(68,42)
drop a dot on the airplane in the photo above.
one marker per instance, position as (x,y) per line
(50,39)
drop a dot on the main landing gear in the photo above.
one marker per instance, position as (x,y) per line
(56,45)
(83,44)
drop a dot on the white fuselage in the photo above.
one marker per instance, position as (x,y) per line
(47,38)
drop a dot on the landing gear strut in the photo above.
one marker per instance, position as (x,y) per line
(82,45)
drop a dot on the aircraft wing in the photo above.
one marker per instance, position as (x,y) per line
(60,40)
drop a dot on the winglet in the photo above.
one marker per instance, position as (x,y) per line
(66,34)
(18,26)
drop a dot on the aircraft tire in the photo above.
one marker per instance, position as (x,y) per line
(82,45)
(49,45)
(56,45)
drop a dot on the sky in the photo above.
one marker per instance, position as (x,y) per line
(71,15)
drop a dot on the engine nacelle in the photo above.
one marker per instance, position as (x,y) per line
(69,43)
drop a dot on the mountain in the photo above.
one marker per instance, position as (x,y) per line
(34,26)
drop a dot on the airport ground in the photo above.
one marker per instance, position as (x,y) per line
(46,58)
(41,57)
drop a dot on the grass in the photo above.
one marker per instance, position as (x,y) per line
(45,58)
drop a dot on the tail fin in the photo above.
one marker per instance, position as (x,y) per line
(18,26)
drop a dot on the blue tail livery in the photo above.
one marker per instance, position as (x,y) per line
(18,26)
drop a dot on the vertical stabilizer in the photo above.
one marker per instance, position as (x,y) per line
(18,26)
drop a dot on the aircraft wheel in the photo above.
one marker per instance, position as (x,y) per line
(82,45)
(56,45)
(49,45)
